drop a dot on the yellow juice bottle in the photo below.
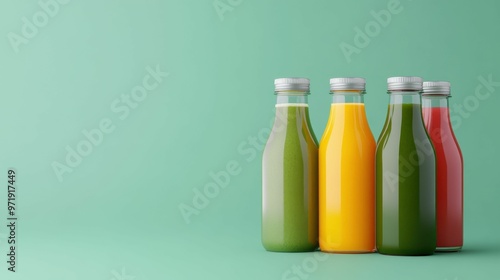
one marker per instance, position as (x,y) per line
(347,173)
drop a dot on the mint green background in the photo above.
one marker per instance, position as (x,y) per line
(119,207)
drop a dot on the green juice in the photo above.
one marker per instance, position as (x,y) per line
(406,184)
(290,182)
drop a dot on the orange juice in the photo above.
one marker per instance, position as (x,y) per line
(347,176)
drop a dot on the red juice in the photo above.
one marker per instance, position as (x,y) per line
(449,164)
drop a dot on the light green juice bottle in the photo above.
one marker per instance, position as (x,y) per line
(290,173)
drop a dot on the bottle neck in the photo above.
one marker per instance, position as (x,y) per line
(437,116)
(348,96)
(284,99)
(405,109)
(405,97)
(435,101)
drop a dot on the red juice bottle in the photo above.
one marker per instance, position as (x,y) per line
(449,163)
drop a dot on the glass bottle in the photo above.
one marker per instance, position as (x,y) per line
(290,173)
(449,166)
(406,175)
(347,173)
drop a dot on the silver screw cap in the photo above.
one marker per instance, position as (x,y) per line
(436,88)
(351,83)
(291,84)
(404,84)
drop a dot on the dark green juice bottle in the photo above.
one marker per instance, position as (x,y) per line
(290,173)
(406,175)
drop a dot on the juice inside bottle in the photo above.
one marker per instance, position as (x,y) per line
(347,173)
(449,166)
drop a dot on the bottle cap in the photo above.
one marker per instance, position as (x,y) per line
(347,84)
(436,88)
(404,83)
(291,84)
